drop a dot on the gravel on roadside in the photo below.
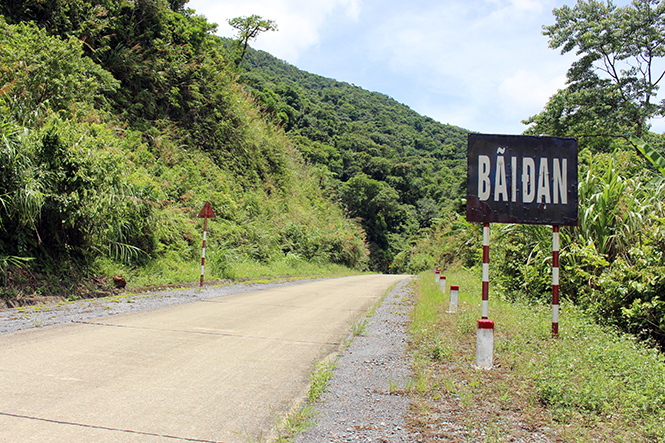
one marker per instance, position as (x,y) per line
(367,400)
(35,316)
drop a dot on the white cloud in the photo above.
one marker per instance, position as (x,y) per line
(486,60)
(298,21)
(527,89)
(480,64)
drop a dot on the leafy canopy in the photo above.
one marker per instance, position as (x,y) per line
(248,29)
(612,88)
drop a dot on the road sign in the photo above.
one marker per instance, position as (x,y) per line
(206,212)
(522,179)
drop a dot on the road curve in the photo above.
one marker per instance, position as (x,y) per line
(219,370)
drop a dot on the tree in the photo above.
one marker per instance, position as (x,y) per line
(248,29)
(38,72)
(381,214)
(612,87)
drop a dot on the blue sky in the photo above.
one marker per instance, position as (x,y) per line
(483,65)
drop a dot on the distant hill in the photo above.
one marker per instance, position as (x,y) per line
(394,168)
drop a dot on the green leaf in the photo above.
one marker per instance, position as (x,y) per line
(650,153)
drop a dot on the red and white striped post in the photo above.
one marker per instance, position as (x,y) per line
(486,271)
(485,334)
(205,214)
(203,250)
(454,299)
(442,283)
(555,281)
(437,276)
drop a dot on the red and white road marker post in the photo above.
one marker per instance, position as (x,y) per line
(485,335)
(205,214)
(442,283)
(484,309)
(454,299)
(437,276)
(555,281)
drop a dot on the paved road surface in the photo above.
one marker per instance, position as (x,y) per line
(219,370)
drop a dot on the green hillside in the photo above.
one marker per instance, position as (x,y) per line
(119,120)
(395,170)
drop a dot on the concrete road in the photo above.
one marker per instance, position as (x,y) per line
(221,370)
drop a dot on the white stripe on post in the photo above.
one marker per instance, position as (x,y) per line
(454,299)
(485,344)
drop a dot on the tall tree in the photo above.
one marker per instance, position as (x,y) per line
(612,87)
(248,29)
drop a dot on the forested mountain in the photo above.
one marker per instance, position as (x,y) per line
(394,169)
(118,121)
(121,118)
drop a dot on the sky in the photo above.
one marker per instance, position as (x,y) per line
(483,65)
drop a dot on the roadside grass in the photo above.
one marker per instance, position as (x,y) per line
(172,270)
(304,416)
(589,385)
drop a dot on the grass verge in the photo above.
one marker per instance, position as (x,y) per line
(591,384)
(167,272)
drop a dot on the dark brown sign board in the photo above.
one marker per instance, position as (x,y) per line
(522,179)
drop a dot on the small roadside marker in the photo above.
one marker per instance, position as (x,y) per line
(454,299)
(205,214)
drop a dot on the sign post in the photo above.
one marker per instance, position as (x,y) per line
(525,180)
(205,214)
(555,281)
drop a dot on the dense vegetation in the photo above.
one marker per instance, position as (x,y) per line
(613,262)
(119,120)
(395,170)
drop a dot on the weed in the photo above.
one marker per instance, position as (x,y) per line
(358,326)
(393,385)
(465,398)
(440,351)
(251,438)
(319,380)
(295,423)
